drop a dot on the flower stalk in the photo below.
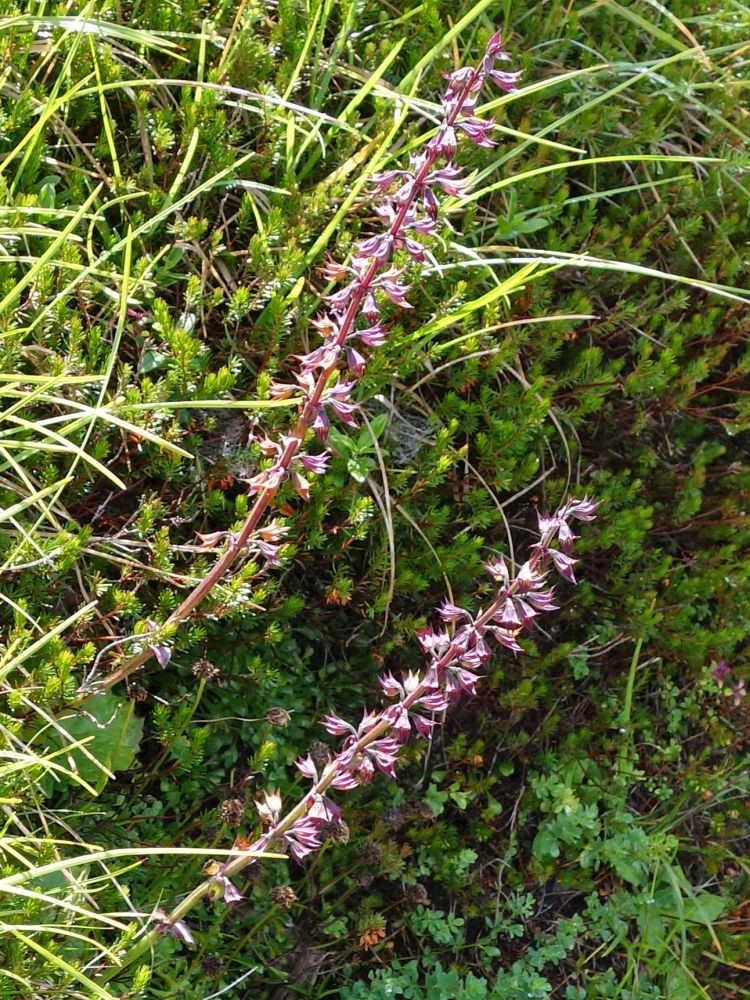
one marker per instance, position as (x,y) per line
(453,664)
(458,650)
(410,211)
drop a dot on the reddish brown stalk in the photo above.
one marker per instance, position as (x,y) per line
(238,864)
(238,542)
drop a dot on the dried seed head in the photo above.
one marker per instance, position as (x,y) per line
(394,817)
(416,895)
(205,669)
(137,692)
(320,753)
(284,895)
(336,831)
(232,812)
(213,967)
(371,853)
(278,716)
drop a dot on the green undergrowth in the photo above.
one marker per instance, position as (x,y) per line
(172,176)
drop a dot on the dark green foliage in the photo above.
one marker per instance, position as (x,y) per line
(579,829)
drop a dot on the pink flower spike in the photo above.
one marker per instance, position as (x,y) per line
(355,361)
(451,612)
(337,726)
(563,564)
(584,510)
(478,130)
(498,570)
(306,767)
(390,686)
(230,892)
(317,464)
(269,552)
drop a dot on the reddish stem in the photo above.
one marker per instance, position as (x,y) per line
(307,416)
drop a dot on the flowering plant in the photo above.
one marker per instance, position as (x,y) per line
(459,648)
(410,208)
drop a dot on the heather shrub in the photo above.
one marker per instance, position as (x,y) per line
(578,828)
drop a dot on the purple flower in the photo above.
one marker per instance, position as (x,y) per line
(720,670)
(507,81)
(337,726)
(498,570)
(230,893)
(384,180)
(177,929)
(384,753)
(400,718)
(162,654)
(373,336)
(317,464)
(355,361)
(460,681)
(445,142)
(451,612)
(449,179)
(380,247)
(394,289)
(269,552)
(304,836)
(478,130)
(433,642)
(584,510)
(324,356)
(563,564)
